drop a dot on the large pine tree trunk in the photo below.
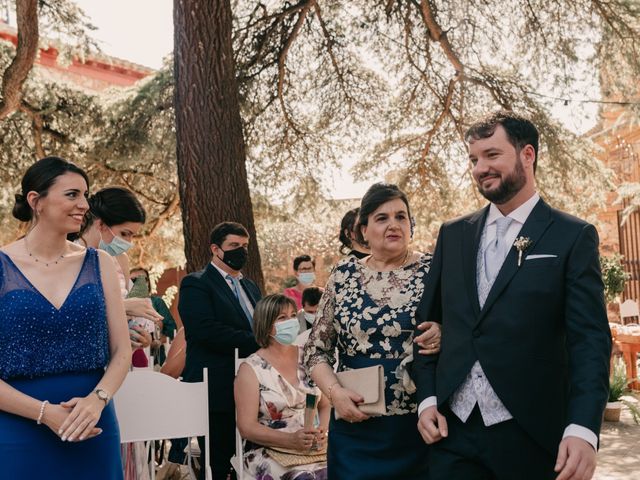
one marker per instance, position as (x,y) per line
(210,142)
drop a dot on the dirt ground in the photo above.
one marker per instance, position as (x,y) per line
(619,455)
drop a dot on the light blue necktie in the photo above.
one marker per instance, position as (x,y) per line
(497,250)
(236,289)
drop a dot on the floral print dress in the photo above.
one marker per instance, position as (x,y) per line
(370,317)
(281,407)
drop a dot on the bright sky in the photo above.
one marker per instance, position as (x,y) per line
(141,31)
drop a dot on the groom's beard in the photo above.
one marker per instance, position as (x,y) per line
(508,187)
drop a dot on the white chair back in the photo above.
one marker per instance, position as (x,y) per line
(237,461)
(629,308)
(153,406)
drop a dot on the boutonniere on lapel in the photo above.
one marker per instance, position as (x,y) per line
(521,244)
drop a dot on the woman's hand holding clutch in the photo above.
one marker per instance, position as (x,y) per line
(345,401)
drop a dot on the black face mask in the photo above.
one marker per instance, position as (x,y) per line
(235,258)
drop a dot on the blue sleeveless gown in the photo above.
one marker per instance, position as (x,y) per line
(54,355)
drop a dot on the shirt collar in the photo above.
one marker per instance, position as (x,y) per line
(225,274)
(520,214)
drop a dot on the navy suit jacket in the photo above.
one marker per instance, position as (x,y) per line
(542,336)
(215,325)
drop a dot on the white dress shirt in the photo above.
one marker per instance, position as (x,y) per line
(519,216)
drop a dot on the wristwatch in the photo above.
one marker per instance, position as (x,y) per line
(102,395)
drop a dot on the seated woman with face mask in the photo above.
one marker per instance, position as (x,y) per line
(270,395)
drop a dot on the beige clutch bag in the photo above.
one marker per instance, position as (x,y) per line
(368,382)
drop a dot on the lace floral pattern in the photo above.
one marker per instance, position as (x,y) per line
(369,318)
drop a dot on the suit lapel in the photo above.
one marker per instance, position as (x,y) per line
(470,243)
(535,226)
(223,287)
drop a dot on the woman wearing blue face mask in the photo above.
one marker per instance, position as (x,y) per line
(270,394)
(115,216)
(304,268)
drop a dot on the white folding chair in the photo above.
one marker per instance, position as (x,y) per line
(629,309)
(237,461)
(153,406)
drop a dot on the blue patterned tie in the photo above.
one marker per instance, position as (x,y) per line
(236,289)
(497,250)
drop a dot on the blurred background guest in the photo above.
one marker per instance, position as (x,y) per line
(63,337)
(310,300)
(368,312)
(304,268)
(348,237)
(270,392)
(166,327)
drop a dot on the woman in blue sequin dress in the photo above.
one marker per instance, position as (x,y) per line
(64,345)
(367,315)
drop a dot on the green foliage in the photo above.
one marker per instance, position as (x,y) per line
(618,383)
(619,386)
(613,276)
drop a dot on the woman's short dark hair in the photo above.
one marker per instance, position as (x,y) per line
(221,230)
(116,205)
(265,315)
(39,178)
(302,258)
(347,225)
(378,194)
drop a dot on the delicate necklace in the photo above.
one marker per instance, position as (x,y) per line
(46,264)
(404,260)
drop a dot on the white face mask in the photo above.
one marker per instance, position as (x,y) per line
(309,317)
(306,278)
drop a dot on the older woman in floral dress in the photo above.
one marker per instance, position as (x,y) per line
(368,313)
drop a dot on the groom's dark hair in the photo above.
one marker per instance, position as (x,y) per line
(520,130)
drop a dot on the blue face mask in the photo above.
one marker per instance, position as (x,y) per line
(306,278)
(287,331)
(116,246)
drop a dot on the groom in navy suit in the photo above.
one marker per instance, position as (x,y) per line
(520,384)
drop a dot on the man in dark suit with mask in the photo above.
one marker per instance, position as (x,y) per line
(216,306)
(520,384)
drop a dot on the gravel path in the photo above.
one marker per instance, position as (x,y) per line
(619,455)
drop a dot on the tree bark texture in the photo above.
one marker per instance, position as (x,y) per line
(26,50)
(210,143)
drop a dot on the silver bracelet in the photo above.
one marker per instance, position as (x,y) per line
(42,405)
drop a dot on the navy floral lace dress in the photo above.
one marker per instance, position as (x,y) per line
(54,354)
(368,317)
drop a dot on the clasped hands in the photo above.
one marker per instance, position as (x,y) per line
(576,457)
(75,419)
(308,439)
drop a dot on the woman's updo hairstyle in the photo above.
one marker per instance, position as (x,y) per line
(378,194)
(347,225)
(39,178)
(115,206)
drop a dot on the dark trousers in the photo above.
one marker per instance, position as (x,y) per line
(473,451)
(222,444)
